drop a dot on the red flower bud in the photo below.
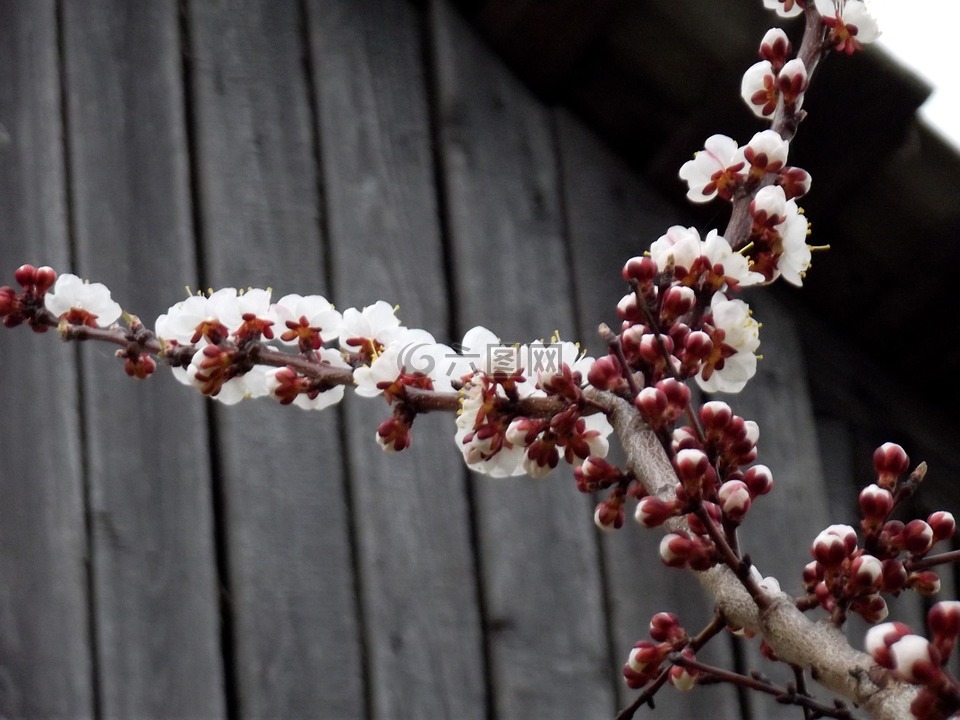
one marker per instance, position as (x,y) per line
(890,461)
(605,373)
(943,525)
(759,480)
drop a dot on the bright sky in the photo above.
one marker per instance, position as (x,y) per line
(922,35)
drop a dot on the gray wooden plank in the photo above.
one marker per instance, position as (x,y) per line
(421,602)
(612,216)
(538,549)
(153,538)
(296,631)
(44,633)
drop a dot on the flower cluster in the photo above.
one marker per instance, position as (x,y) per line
(713,478)
(846,577)
(916,660)
(494,434)
(647,657)
(47,299)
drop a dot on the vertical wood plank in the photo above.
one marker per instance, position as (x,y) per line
(157,622)
(538,549)
(613,216)
(296,631)
(421,602)
(44,633)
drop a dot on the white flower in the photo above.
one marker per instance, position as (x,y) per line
(252,384)
(477,352)
(796,253)
(770,201)
(736,268)
(310,318)
(713,170)
(377,322)
(678,245)
(759,89)
(850,23)
(82,303)
(413,351)
(742,335)
(784,8)
(194,319)
(766,152)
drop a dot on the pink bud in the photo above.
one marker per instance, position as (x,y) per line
(812,574)
(875,504)
(894,576)
(645,656)
(608,516)
(675,549)
(715,415)
(879,639)
(734,500)
(917,537)
(26,275)
(795,182)
(628,310)
(944,618)
(681,678)
(678,398)
(641,269)
(698,345)
(692,467)
(792,81)
(832,546)
(926,583)
(866,572)
(652,403)
(775,47)
(872,608)
(890,461)
(605,373)
(915,660)
(653,512)
(943,525)
(44,279)
(684,437)
(678,300)
(759,480)
(666,626)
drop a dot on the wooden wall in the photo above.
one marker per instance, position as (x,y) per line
(162,556)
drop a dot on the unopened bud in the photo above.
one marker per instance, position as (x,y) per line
(917,537)
(666,626)
(832,546)
(875,504)
(775,47)
(759,480)
(890,461)
(605,373)
(641,269)
(943,525)
(927,582)
(734,500)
